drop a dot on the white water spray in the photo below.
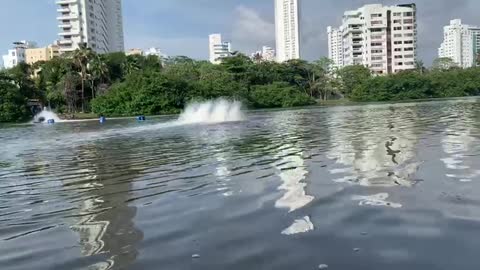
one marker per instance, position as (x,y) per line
(217,111)
(46,115)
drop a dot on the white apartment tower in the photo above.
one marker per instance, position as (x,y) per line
(461,43)
(382,38)
(335,46)
(218,48)
(97,23)
(287,30)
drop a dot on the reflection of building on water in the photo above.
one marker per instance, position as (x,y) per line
(458,144)
(105,220)
(373,150)
(292,172)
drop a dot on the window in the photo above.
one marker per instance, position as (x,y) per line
(408,56)
(374,30)
(377,51)
(408,49)
(397,42)
(399,63)
(376,22)
(373,44)
(408,14)
(397,35)
(408,27)
(397,21)
(377,15)
(398,56)
(398,49)
(408,42)
(408,21)
(397,14)
(13,53)
(397,28)
(377,58)
(377,65)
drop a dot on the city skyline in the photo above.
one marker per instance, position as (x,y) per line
(248,24)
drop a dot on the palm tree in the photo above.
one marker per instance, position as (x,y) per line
(420,66)
(257,57)
(81,57)
(98,72)
(131,65)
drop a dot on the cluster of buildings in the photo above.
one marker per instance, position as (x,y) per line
(382,38)
(97,23)
(461,43)
(287,37)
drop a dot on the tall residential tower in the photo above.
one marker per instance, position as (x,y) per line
(461,43)
(287,30)
(97,23)
(382,38)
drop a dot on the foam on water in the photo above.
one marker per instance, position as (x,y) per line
(46,114)
(217,111)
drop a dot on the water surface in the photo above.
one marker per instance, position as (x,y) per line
(354,187)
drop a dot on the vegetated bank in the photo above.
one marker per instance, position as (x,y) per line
(120,85)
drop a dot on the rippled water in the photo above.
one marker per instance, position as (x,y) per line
(357,187)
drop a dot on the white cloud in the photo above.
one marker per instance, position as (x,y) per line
(250,31)
(193,47)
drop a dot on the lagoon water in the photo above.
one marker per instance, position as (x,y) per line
(353,187)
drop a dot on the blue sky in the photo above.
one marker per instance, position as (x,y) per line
(181,27)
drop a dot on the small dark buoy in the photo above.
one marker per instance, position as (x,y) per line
(141,118)
(103,119)
(195,256)
(50,121)
(356,249)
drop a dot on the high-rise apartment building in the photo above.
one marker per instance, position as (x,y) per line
(461,43)
(17,54)
(97,23)
(287,32)
(382,38)
(218,48)
(335,46)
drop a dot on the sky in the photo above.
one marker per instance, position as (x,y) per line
(181,27)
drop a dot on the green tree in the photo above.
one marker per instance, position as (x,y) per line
(352,77)
(82,57)
(12,101)
(277,95)
(443,63)
(98,71)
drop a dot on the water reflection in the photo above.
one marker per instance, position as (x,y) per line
(372,149)
(104,221)
(292,170)
(458,144)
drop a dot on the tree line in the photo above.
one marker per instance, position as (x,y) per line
(119,85)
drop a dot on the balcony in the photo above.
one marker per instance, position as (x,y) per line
(71,16)
(62,10)
(70,33)
(65,42)
(66,2)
